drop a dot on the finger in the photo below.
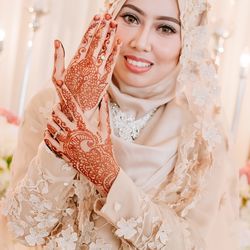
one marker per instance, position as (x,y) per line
(59,65)
(65,109)
(52,144)
(87,38)
(109,68)
(111,61)
(99,37)
(73,107)
(66,101)
(61,119)
(108,44)
(104,118)
(59,68)
(53,128)
(56,131)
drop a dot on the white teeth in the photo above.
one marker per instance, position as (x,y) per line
(138,64)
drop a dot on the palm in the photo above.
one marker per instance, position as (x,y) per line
(90,70)
(85,80)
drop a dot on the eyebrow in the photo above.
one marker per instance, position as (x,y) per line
(167,18)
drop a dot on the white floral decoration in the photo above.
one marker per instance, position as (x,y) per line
(201,95)
(127,228)
(68,239)
(212,136)
(18,230)
(163,234)
(36,237)
(99,244)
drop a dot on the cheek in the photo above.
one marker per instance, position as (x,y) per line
(125,33)
(169,51)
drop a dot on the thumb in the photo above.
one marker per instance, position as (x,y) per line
(59,63)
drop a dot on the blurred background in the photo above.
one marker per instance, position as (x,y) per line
(29,27)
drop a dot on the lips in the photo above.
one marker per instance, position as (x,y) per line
(137,65)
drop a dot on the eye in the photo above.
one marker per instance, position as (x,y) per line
(130,18)
(166,29)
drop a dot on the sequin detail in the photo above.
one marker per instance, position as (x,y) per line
(125,124)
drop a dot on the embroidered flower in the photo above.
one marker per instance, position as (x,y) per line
(43,187)
(87,231)
(163,234)
(68,239)
(16,229)
(201,95)
(45,220)
(36,237)
(211,135)
(126,229)
(161,238)
(100,245)
(207,72)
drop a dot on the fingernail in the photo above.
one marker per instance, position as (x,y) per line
(97,17)
(107,16)
(113,24)
(56,44)
(59,83)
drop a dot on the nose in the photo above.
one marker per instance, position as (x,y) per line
(141,40)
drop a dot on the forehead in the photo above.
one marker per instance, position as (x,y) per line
(156,7)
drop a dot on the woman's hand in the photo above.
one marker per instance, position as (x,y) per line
(80,88)
(90,71)
(87,149)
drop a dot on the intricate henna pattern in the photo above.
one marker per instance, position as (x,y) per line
(80,88)
(88,153)
(89,72)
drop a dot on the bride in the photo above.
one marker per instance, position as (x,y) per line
(133,154)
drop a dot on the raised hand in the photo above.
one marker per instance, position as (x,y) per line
(87,149)
(90,71)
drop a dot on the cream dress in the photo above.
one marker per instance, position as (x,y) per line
(49,204)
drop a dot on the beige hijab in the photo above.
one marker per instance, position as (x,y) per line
(178,146)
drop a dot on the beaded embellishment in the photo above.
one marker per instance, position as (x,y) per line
(125,125)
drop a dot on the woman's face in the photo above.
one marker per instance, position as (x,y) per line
(150,32)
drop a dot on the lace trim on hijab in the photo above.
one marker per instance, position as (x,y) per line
(197,79)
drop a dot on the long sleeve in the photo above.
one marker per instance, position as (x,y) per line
(41,183)
(145,223)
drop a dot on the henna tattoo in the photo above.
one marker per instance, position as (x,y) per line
(91,157)
(89,153)
(90,71)
(80,88)
(85,80)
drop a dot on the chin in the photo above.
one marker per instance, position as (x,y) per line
(135,81)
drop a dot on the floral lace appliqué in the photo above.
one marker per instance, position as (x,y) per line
(128,228)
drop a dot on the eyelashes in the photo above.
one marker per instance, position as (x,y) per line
(131,19)
(167,29)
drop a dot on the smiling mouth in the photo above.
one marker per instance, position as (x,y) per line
(138,63)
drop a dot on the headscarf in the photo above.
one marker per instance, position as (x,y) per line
(195,104)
